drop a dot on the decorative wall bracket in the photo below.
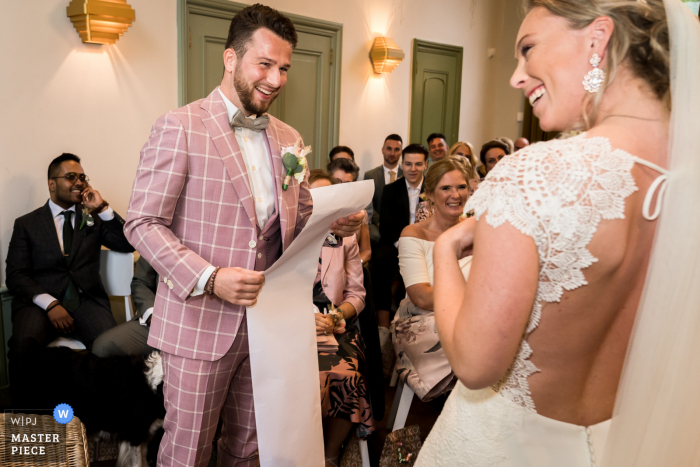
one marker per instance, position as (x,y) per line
(385,55)
(100,21)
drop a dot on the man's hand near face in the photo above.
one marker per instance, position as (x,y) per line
(92,198)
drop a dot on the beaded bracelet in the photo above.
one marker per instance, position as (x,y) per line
(209,289)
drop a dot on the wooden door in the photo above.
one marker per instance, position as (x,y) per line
(310,100)
(435,91)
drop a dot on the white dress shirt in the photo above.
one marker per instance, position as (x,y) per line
(413,195)
(44,300)
(257,164)
(387,173)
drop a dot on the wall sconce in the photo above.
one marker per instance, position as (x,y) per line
(385,55)
(100,21)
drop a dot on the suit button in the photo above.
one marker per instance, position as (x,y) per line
(252,244)
(261,237)
(170,285)
(259,255)
(165,279)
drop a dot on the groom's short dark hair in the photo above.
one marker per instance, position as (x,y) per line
(56,163)
(254,17)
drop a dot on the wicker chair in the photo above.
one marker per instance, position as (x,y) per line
(75,453)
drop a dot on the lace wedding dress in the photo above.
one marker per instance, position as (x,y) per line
(557,193)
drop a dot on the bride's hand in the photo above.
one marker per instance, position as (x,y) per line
(458,239)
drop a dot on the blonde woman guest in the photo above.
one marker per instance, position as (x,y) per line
(344,397)
(538,335)
(466,150)
(425,208)
(421,361)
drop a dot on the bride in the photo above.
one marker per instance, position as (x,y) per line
(576,337)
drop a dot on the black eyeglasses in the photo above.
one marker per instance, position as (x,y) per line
(72,177)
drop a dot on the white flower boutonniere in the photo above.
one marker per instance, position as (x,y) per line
(294,160)
(87,219)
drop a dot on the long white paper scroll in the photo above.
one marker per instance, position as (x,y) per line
(282,338)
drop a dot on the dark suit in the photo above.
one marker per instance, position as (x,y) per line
(377,174)
(131,338)
(35,265)
(396,216)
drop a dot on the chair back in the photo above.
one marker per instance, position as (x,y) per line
(116,271)
(370,334)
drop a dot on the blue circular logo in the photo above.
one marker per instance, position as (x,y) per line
(63,413)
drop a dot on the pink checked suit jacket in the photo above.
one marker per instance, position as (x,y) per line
(191,207)
(341,274)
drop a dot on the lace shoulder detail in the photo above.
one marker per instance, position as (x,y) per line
(557,193)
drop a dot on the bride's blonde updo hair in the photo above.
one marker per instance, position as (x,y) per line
(640,38)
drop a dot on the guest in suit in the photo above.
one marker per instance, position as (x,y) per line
(131,338)
(208,212)
(344,395)
(399,202)
(346,171)
(437,145)
(341,152)
(383,175)
(53,267)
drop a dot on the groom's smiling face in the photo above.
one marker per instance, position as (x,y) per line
(261,73)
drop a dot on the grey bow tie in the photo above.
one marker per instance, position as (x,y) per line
(255,124)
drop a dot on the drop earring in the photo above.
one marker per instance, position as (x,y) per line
(595,77)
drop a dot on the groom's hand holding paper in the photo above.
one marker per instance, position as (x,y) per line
(238,286)
(347,226)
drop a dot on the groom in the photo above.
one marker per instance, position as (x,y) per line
(208,212)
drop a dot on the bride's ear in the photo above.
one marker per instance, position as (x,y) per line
(601,30)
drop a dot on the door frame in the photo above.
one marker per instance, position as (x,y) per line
(420,45)
(226,10)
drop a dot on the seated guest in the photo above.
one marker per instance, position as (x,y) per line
(491,153)
(53,266)
(383,175)
(131,338)
(437,145)
(509,142)
(399,202)
(341,152)
(346,171)
(425,208)
(421,360)
(344,396)
(521,143)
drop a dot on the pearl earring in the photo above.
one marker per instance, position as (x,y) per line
(595,77)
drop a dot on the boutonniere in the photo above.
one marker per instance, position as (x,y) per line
(294,160)
(87,219)
(423,196)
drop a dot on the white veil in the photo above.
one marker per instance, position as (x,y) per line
(657,412)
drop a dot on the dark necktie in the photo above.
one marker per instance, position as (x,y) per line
(71,300)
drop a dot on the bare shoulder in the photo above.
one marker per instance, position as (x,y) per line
(416,230)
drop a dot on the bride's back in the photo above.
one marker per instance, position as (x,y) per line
(581,341)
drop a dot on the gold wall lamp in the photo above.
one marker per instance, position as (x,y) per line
(100,21)
(385,55)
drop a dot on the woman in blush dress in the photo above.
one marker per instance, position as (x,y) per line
(421,361)
(574,341)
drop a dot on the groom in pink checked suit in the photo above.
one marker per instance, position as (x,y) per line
(207,195)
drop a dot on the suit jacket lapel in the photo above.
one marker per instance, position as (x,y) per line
(219,128)
(326,259)
(284,198)
(48,229)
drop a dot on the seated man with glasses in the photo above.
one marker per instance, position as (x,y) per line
(53,268)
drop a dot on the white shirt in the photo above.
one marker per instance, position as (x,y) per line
(413,194)
(44,300)
(257,164)
(387,173)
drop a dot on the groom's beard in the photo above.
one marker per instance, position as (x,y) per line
(246,94)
